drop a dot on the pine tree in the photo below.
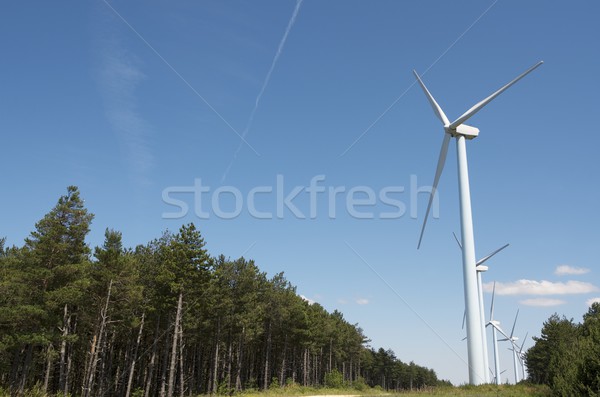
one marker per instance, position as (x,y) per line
(58,256)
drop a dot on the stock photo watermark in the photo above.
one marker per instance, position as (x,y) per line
(278,201)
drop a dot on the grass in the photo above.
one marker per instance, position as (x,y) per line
(521,390)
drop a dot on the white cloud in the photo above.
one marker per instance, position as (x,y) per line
(592,300)
(310,301)
(362,301)
(119,77)
(544,302)
(342,301)
(563,270)
(544,287)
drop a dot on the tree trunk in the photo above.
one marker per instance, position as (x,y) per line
(94,350)
(330,353)
(48,367)
(165,365)
(109,346)
(181,373)
(305,368)
(238,376)
(267,354)
(69,364)
(215,379)
(88,366)
(315,369)
(283,363)
(229,360)
(152,360)
(350,371)
(134,358)
(106,360)
(174,346)
(294,365)
(25,369)
(63,351)
(14,372)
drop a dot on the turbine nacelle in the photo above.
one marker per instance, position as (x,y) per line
(481,268)
(465,130)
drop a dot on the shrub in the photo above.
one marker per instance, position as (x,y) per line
(334,379)
(360,384)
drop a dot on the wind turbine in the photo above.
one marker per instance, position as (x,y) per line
(521,357)
(494,376)
(495,327)
(457,129)
(513,339)
(481,268)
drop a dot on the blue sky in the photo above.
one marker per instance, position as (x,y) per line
(127,106)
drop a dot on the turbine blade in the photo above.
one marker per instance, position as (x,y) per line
(515,323)
(492,305)
(436,179)
(523,344)
(464,318)
(466,115)
(485,258)
(501,332)
(436,108)
(457,240)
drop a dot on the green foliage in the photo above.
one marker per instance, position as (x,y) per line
(274,383)
(80,322)
(138,392)
(334,379)
(566,356)
(360,384)
(224,389)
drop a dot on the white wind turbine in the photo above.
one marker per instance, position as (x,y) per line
(513,341)
(494,376)
(521,356)
(495,328)
(457,129)
(481,268)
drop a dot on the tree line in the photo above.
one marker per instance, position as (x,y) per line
(566,356)
(165,319)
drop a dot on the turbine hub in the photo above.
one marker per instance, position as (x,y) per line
(465,130)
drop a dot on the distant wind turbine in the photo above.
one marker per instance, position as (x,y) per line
(521,357)
(481,268)
(495,328)
(513,341)
(457,129)
(494,376)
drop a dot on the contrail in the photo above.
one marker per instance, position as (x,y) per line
(264,86)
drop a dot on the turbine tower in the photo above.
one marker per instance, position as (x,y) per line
(457,129)
(513,341)
(521,356)
(481,268)
(495,328)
